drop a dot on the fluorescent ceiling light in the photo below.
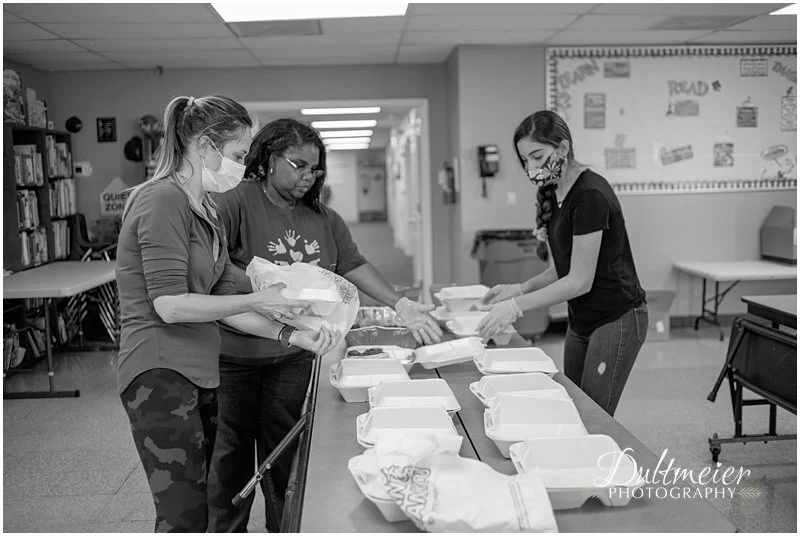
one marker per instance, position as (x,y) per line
(788,10)
(347,146)
(344,133)
(266,11)
(363,123)
(345,140)
(341,111)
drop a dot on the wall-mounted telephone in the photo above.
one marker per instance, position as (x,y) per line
(489,163)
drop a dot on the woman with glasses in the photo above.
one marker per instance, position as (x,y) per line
(580,225)
(276,214)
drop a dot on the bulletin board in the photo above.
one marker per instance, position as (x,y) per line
(680,118)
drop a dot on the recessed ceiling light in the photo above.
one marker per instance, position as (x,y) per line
(348,147)
(344,133)
(266,11)
(361,123)
(335,141)
(788,10)
(341,111)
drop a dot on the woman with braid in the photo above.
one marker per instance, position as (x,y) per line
(581,228)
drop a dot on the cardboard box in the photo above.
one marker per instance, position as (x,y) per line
(659,303)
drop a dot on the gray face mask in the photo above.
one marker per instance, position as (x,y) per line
(227,177)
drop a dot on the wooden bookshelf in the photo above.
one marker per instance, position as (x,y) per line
(15,135)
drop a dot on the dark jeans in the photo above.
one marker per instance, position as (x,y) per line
(600,363)
(173,423)
(258,405)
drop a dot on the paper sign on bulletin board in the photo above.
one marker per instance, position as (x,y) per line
(680,118)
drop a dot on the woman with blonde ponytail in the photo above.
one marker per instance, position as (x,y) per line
(581,231)
(175,282)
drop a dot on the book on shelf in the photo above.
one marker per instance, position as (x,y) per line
(59,159)
(62,198)
(30,164)
(61,239)
(27,209)
(34,247)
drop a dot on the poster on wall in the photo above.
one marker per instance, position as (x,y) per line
(113,198)
(106,129)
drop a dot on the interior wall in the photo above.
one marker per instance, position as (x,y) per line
(127,95)
(662,228)
(342,177)
(371,195)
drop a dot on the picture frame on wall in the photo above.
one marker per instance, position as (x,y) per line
(106,129)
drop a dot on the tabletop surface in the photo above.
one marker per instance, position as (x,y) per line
(753,270)
(58,279)
(783,303)
(333,502)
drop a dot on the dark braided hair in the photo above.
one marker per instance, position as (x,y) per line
(277,137)
(548,128)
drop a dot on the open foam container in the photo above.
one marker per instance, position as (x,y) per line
(404,355)
(467,326)
(406,421)
(533,384)
(414,394)
(462,298)
(575,469)
(514,418)
(449,352)
(353,377)
(374,492)
(514,361)
(442,315)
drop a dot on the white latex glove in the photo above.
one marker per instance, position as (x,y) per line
(500,293)
(319,343)
(415,317)
(499,319)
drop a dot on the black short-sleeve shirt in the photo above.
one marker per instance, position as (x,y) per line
(591,206)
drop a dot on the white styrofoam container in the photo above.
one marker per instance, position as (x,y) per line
(514,361)
(443,315)
(403,355)
(575,469)
(353,377)
(532,384)
(390,510)
(514,418)
(414,394)
(467,326)
(449,352)
(408,421)
(462,298)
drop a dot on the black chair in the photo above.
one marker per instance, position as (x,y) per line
(81,248)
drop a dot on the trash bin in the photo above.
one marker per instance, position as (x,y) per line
(509,256)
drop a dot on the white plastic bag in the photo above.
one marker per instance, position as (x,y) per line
(334,299)
(446,493)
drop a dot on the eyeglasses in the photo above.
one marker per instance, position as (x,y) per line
(304,169)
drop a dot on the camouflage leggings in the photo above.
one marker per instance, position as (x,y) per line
(174,424)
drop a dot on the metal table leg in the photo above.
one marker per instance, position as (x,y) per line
(52,393)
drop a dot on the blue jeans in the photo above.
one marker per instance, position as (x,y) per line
(600,363)
(258,405)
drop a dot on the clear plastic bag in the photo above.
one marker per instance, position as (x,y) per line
(334,299)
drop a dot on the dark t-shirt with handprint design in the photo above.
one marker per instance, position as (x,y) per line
(257,228)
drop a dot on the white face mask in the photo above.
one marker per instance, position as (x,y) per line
(227,177)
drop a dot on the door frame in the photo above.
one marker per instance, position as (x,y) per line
(426,212)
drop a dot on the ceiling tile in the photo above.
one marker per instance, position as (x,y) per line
(768,23)
(574,37)
(217,63)
(616,22)
(363,25)
(24,31)
(477,37)
(360,60)
(349,51)
(40,46)
(487,22)
(736,38)
(78,66)
(424,53)
(362,39)
(67,57)
(110,13)
(138,31)
(9,18)
(129,45)
(688,9)
(499,9)
(175,55)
